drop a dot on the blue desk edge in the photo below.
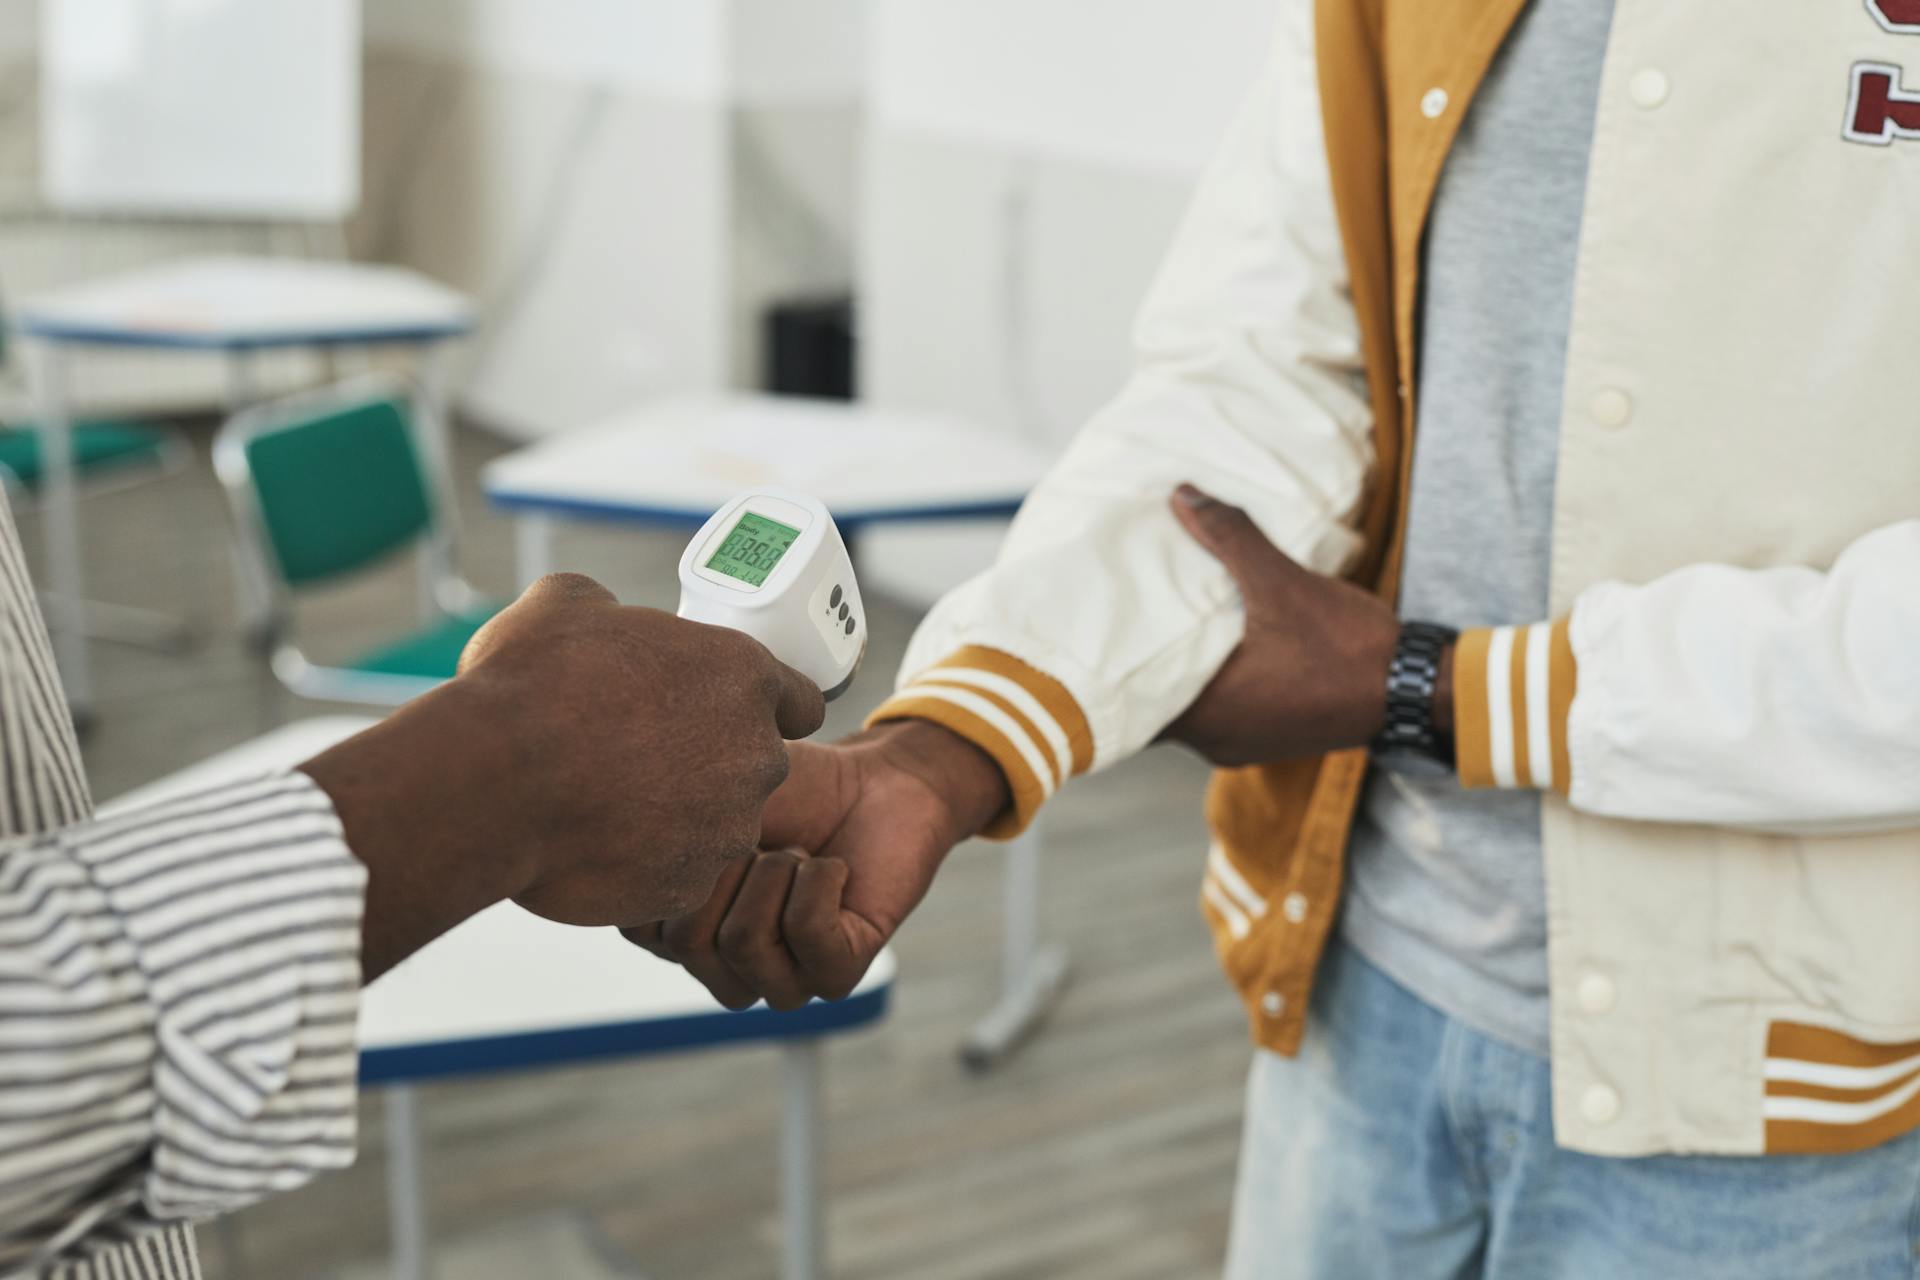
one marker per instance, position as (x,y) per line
(104,336)
(676,517)
(568,1046)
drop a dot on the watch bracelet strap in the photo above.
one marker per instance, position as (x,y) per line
(1412,681)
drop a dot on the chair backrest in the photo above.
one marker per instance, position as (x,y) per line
(334,487)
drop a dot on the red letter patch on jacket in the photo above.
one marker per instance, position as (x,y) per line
(1899,16)
(1879,109)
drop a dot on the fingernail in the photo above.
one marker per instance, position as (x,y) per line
(1189,496)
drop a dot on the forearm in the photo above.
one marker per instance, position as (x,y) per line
(1023,720)
(186,977)
(436,849)
(968,779)
(181,988)
(1102,621)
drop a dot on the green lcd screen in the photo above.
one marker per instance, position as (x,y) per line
(753,548)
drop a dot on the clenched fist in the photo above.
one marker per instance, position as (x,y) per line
(853,839)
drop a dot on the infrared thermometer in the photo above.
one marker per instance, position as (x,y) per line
(771,563)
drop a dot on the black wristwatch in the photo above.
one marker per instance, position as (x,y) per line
(1411,684)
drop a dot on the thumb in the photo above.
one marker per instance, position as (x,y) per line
(812,803)
(555,591)
(802,709)
(558,590)
(1229,534)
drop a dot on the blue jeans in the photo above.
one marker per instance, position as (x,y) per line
(1403,1146)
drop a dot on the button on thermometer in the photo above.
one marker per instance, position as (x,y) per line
(771,563)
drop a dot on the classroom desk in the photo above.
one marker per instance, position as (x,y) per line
(673,463)
(235,306)
(508,991)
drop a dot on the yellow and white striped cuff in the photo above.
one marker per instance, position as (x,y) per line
(1513,689)
(1828,1091)
(1022,717)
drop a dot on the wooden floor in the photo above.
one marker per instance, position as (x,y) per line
(1104,1152)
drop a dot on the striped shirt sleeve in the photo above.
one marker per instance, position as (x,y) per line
(1513,690)
(179,989)
(1022,717)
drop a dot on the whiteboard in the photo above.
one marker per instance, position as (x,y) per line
(221,108)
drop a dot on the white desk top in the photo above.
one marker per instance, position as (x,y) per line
(679,460)
(508,990)
(236,302)
(283,748)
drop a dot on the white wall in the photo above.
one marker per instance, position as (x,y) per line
(672,47)
(1028,162)
(709,50)
(1130,83)
(1004,287)
(784,52)
(580,167)
(19,28)
(19,112)
(1043,148)
(589,223)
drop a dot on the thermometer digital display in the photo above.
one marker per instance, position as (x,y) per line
(771,564)
(753,549)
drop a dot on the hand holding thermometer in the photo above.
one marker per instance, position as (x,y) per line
(771,563)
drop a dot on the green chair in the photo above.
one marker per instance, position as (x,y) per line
(99,448)
(108,456)
(104,449)
(323,488)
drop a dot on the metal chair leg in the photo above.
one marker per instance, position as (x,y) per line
(1032,975)
(406,1197)
(126,624)
(802,1163)
(48,375)
(533,548)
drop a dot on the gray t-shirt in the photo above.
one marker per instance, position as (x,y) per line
(1447,888)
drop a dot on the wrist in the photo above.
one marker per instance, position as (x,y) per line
(1419,694)
(968,785)
(1374,671)
(411,794)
